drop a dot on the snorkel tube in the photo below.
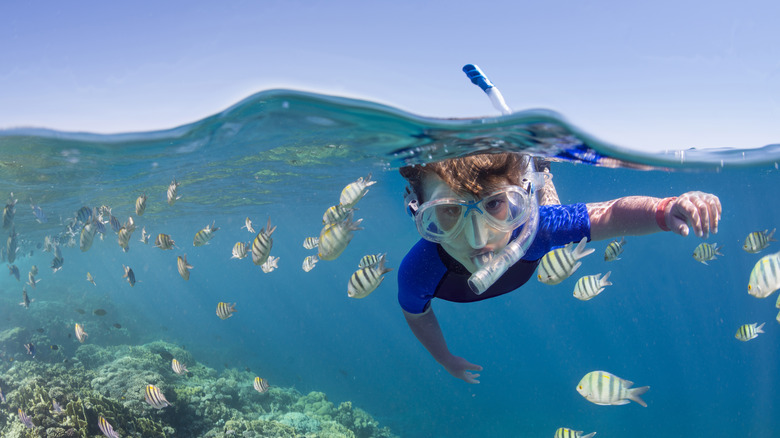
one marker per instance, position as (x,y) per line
(478,78)
(492,270)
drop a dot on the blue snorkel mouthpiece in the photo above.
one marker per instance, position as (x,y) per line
(478,78)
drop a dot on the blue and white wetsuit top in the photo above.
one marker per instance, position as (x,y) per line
(428,272)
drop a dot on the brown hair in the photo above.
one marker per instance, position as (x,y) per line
(475,174)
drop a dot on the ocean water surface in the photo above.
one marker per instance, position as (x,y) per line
(667,321)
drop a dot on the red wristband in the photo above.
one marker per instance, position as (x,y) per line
(660,217)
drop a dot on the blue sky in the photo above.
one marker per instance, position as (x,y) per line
(646,75)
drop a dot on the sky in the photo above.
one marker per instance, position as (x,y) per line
(649,76)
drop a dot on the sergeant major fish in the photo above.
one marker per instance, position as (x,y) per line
(91,279)
(203,236)
(164,242)
(705,252)
(369,260)
(270,264)
(311,242)
(614,249)
(183,266)
(366,280)
(757,241)
(13,270)
(129,275)
(334,238)
(172,188)
(123,238)
(30,349)
(239,250)
(309,262)
(86,237)
(25,419)
(225,310)
(355,191)
(564,432)
(144,236)
(589,286)
(603,388)
(140,205)
(261,246)
(31,279)
(765,276)
(248,225)
(25,299)
(40,216)
(747,332)
(336,213)
(558,264)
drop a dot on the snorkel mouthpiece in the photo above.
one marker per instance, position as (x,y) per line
(492,269)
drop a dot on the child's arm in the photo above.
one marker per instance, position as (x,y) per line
(637,215)
(426,328)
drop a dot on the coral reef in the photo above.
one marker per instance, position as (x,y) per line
(110,382)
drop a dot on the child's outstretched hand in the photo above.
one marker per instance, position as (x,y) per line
(459,367)
(698,209)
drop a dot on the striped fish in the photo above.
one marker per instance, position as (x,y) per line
(705,252)
(261,247)
(369,260)
(203,236)
(106,428)
(225,310)
(603,388)
(239,250)
(366,280)
(144,236)
(14,270)
(34,270)
(765,276)
(355,191)
(87,237)
(614,249)
(758,240)
(56,264)
(747,332)
(334,238)
(336,213)
(130,224)
(91,279)
(123,238)
(31,279)
(81,335)
(164,242)
(178,367)
(8,212)
(84,215)
(270,264)
(589,286)
(114,222)
(25,419)
(309,263)
(155,397)
(2,396)
(129,275)
(564,432)
(311,242)
(140,205)
(172,187)
(183,266)
(558,264)
(261,385)
(248,225)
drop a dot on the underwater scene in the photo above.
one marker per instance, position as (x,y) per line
(200,282)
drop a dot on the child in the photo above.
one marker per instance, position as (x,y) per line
(468,209)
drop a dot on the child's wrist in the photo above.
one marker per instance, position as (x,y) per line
(660,213)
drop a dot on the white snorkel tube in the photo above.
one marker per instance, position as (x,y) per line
(489,272)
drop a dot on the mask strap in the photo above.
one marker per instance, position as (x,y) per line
(411,202)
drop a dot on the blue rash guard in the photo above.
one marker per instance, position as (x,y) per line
(428,272)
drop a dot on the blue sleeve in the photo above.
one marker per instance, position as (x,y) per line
(559,225)
(419,274)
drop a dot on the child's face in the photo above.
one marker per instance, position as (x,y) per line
(477,238)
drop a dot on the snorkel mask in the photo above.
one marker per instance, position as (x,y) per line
(504,210)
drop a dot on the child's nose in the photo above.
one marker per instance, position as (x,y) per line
(476,234)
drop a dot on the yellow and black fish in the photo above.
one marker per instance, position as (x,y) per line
(155,397)
(225,310)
